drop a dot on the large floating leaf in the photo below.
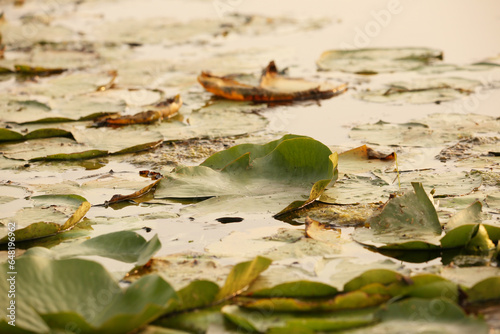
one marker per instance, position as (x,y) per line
(283,169)
(428,90)
(43,216)
(377,60)
(272,87)
(81,294)
(126,246)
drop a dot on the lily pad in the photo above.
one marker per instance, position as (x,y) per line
(242,275)
(297,289)
(343,301)
(406,221)
(81,294)
(485,290)
(428,90)
(377,60)
(431,131)
(351,189)
(321,232)
(474,237)
(417,315)
(43,216)
(126,246)
(362,159)
(291,163)
(266,322)
(9,135)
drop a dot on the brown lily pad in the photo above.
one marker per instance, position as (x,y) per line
(272,87)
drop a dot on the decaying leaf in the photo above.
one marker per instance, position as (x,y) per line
(160,111)
(322,232)
(134,196)
(272,87)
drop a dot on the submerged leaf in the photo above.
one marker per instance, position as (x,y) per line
(273,87)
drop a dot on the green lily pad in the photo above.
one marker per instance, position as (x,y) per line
(291,164)
(9,135)
(126,246)
(266,322)
(428,90)
(345,301)
(160,330)
(81,294)
(297,289)
(43,216)
(377,60)
(474,237)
